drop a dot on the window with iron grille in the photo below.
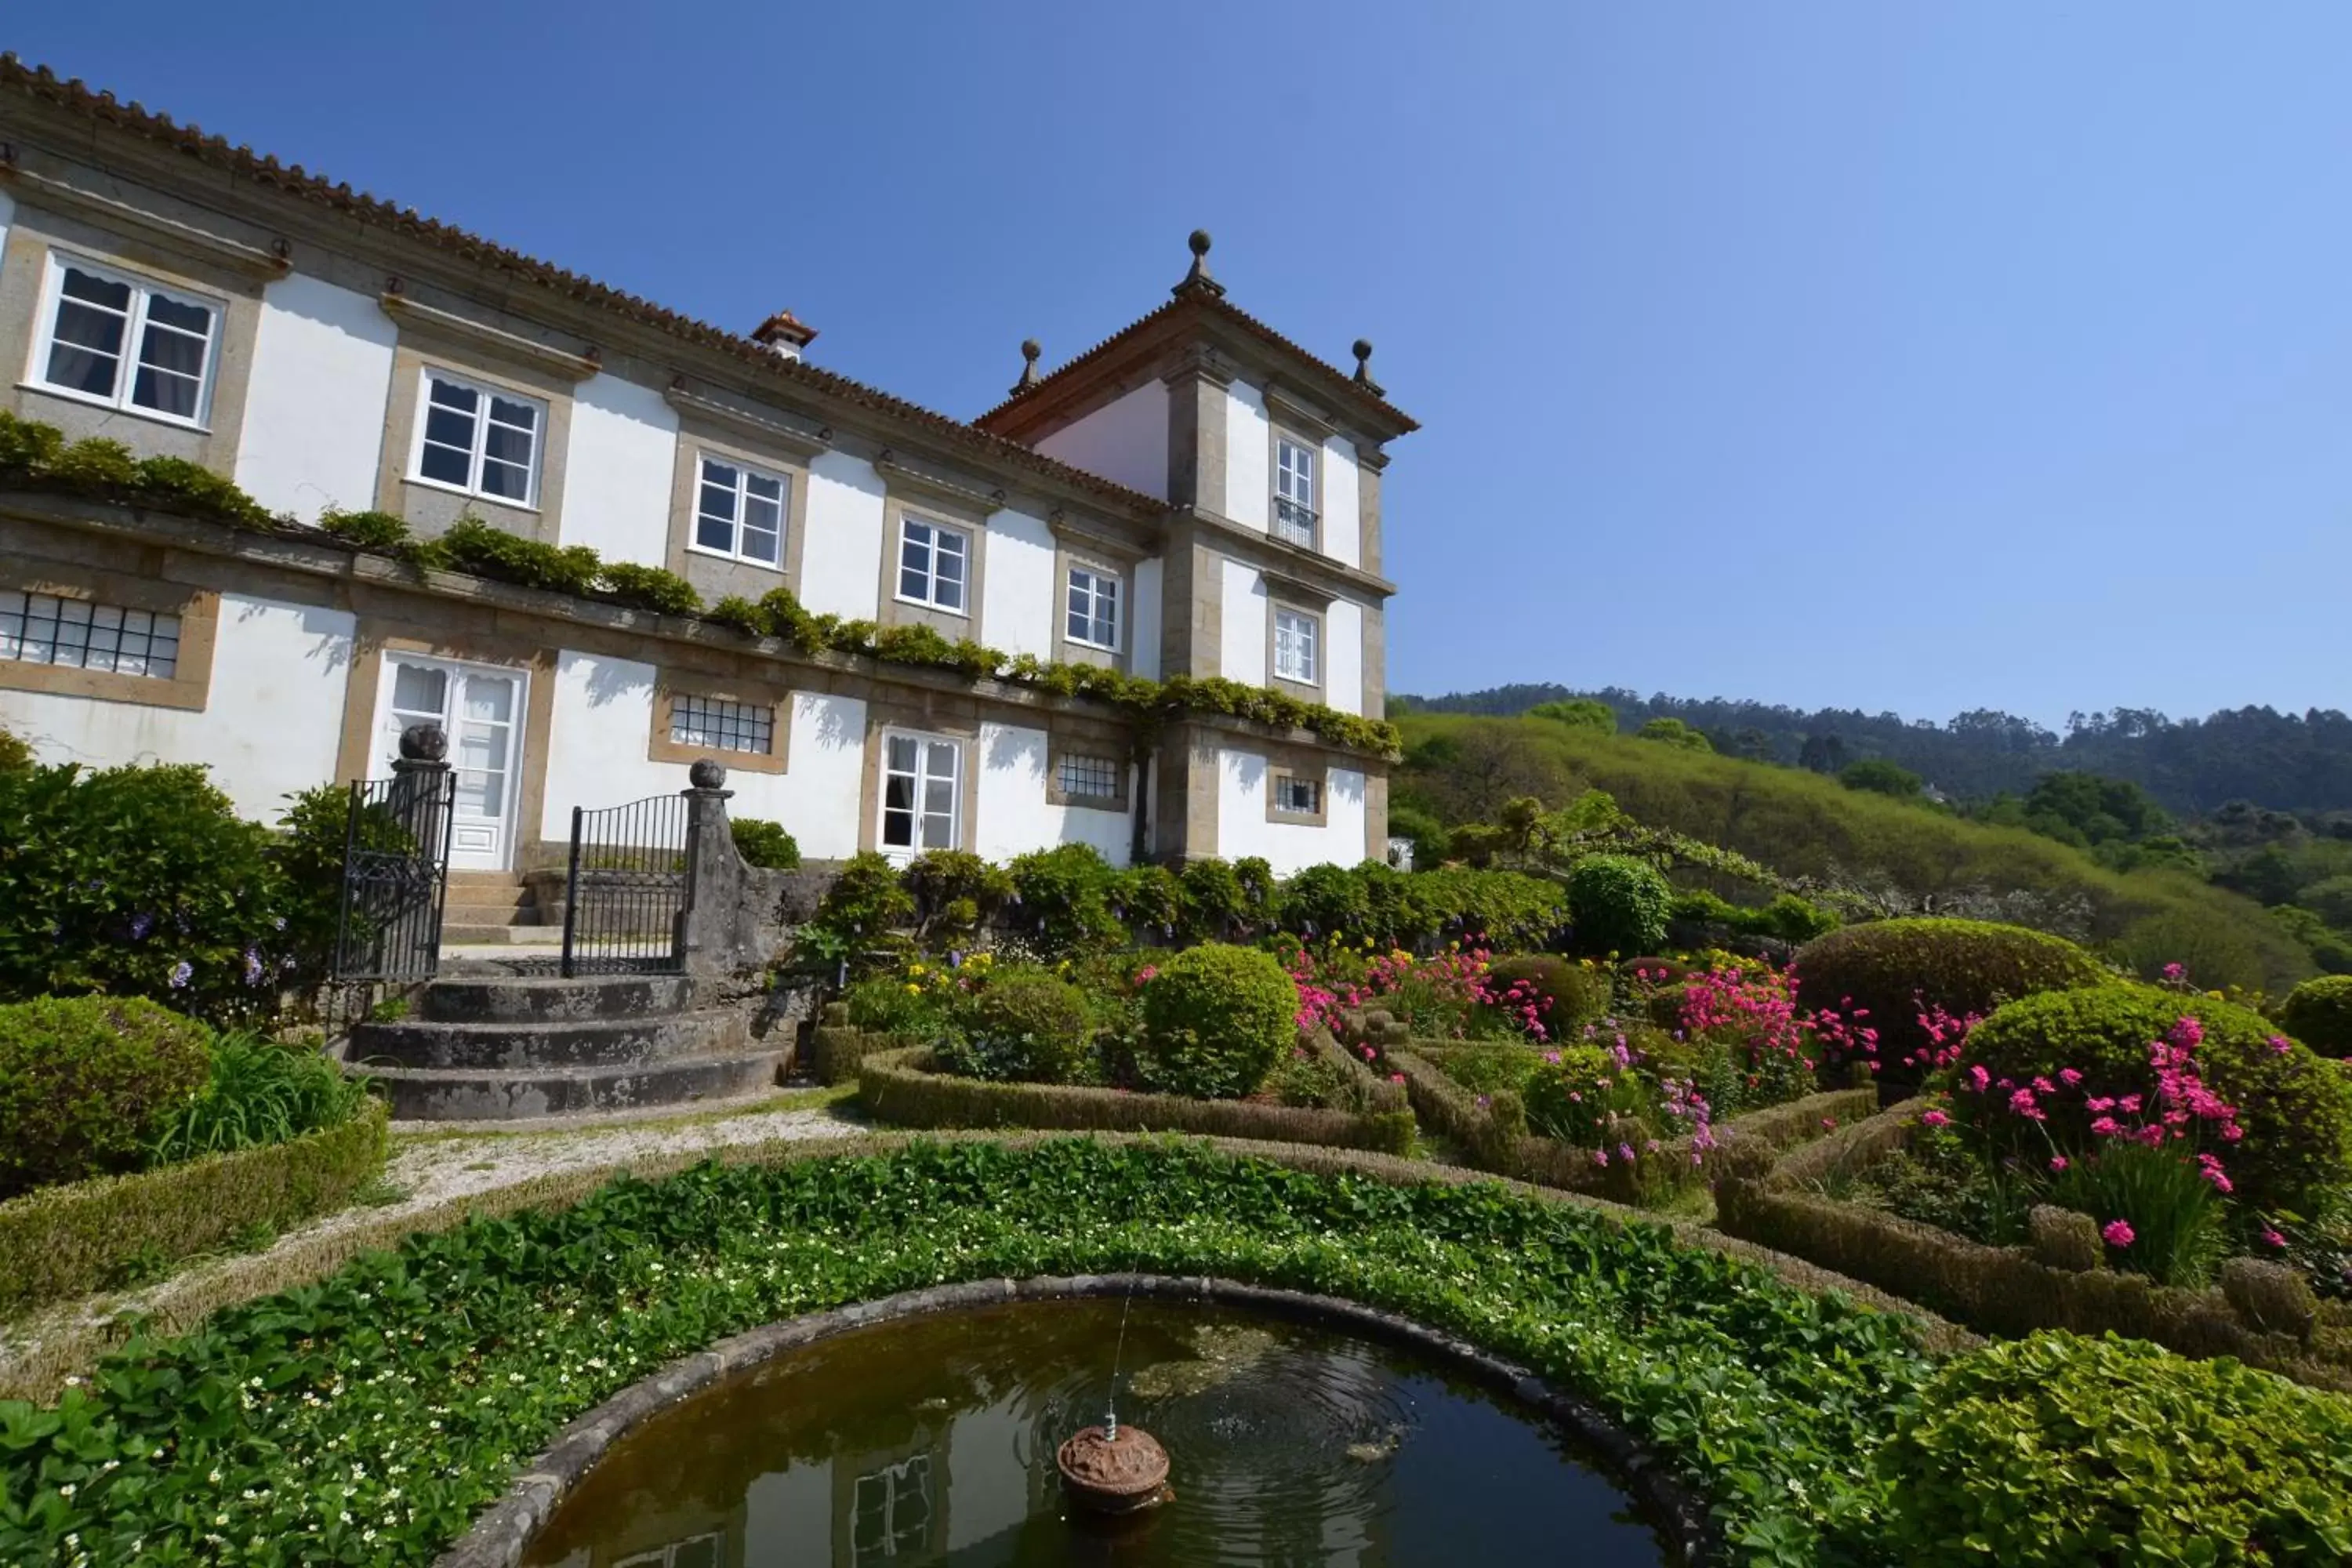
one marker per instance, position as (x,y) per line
(721,725)
(1298,796)
(41,628)
(1094,778)
(1293,492)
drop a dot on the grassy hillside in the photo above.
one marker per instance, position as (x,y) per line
(1802,825)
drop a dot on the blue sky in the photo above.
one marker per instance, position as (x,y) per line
(1903,357)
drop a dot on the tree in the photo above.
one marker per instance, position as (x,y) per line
(1879,776)
(1675,733)
(1579,713)
(1821,754)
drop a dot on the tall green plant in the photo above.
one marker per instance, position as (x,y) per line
(259,1091)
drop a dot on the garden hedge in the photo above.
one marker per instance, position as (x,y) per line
(2319,1014)
(900,1087)
(1998,1290)
(66,1241)
(1494,1134)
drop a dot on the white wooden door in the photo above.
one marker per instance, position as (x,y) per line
(481,708)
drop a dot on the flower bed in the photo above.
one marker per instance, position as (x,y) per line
(905,1088)
(2007,1289)
(65,1241)
(1503,1145)
(369,1418)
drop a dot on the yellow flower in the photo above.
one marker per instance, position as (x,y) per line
(914,990)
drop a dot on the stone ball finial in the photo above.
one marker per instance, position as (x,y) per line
(1363,351)
(1030,350)
(424,743)
(1198,281)
(705,774)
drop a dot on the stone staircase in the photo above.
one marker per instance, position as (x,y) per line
(501,1043)
(495,908)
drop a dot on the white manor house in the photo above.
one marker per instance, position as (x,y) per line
(1194,496)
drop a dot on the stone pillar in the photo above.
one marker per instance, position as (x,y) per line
(709,937)
(419,799)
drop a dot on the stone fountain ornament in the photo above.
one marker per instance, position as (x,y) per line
(1114,1469)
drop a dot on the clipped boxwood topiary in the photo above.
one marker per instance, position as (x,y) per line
(2295,1108)
(1216,1020)
(766,845)
(1025,1025)
(1566,993)
(2058,1451)
(1618,903)
(1878,974)
(2319,1014)
(88,1083)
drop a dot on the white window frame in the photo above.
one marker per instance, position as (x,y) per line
(1306,633)
(744,473)
(1102,578)
(425,377)
(923,777)
(1295,490)
(134,330)
(936,530)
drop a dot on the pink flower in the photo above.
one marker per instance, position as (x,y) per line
(1829,1123)
(2118,1232)
(2057,1162)
(1935,1118)
(1396,1077)
(2175,971)
(1979,1077)
(1601,1156)
(2272,1238)
(2069,1077)
(2281,1044)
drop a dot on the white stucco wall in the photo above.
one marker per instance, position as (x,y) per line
(1340,506)
(1125,440)
(1143,640)
(271,719)
(1013,816)
(7,216)
(1249,439)
(1018,593)
(1241,654)
(618,471)
(314,405)
(1288,848)
(1343,656)
(841,559)
(602,720)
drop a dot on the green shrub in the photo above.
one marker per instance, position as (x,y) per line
(1588,1099)
(86,1084)
(1024,1026)
(1063,901)
(865,903)
(1579,713)
(1879,975)
(890,1005)
(1216,1020)
(191,486)
(2319,1014)
(1215,908)
(1675,733)
(764,845)
(2177,1216)
(654,589)
(1879,777)
(381,530)
(27,446)
(1505,910)
(1566,993)
(1324,901)
(2062,1452)
(16,754)
(2296,1107)
(95,463)
(259,1091)
(1149,899)
(485,550)
(1424,831)
(1619,904)
(137,881)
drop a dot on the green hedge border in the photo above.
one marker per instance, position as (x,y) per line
(2000,1291)
(899,1087)
(70,1240)
(1749,1141)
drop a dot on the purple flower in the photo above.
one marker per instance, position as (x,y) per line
(140,924)
(182,972)
(252,967)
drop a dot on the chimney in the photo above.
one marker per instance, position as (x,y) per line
(783,333)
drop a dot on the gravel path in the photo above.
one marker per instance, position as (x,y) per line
(435,1170)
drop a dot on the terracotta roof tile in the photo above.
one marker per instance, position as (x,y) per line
(45,85)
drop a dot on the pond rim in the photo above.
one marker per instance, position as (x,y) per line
(498,1538)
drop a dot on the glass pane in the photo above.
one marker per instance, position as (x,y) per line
(481,795)
(449,394)
(721,476)
(164,392)
(447,427)
(507,445)
(87,351)
(942,763)
(760,544)
(901,754)
(418,688)
(939,832)
(714,532)
(939,796)
(762,512)
(172,312)
(913,584)
(490,698)
(446,464)
(101,291)
(481,748)
(524,416)
(702,1552)
(762,488)
(506,480)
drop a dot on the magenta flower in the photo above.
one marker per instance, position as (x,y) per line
(2057,1162)
(2272,1238)
(2118,1232)
(1935,1118)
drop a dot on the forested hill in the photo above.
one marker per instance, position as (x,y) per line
(2288,762)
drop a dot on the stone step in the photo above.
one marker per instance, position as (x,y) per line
(424,1095)
(563,1043)
(454,934)
(482,999)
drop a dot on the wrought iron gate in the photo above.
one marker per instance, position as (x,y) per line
(396,867)
(625,897)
